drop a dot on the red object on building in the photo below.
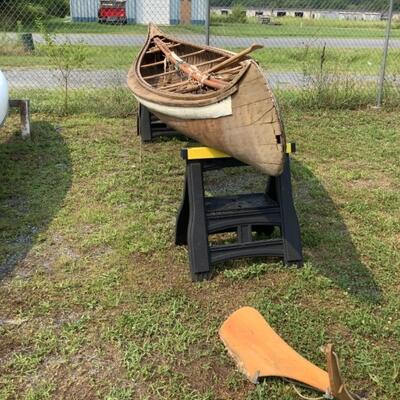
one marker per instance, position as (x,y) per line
(112,11)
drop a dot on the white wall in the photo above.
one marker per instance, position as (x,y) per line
(157,11)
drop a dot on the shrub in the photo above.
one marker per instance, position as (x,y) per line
(31,12)
(238,14)
(56,8)
(218,19)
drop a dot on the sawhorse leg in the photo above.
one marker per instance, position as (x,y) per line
(182,219)
(290,224)
(197,237)
(23,106)
(144,124)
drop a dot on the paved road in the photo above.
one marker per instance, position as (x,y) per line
(225,41)
(47,79)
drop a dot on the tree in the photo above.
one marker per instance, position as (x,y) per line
(64,56)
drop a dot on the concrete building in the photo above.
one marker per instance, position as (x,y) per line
(303,13)
(162,12)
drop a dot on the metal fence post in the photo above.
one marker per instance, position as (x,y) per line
(384,56)
(207,22)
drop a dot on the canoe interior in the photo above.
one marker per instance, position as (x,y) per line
(162,75)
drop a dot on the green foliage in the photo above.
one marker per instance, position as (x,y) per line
(26,12)
(31,12)
(56,8)
(238,14)
(64,56)
(10,47)
(111,102)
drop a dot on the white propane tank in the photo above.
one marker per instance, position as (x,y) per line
(3,98)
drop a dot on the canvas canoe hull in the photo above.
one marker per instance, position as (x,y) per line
(241,119)
(245,125)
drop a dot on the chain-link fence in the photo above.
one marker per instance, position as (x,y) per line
(331,47)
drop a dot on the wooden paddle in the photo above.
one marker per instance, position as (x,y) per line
(260,352)
(234,58)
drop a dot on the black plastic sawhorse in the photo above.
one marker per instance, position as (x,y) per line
(200,216)
(149,127)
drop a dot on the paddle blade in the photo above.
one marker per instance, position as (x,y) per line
(260,352)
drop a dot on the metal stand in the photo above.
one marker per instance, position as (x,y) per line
(150,127)
(23,106)
(245,214)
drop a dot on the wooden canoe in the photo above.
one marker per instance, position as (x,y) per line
(231,108)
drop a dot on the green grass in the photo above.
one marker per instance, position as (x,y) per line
(295,27)
(96,299)
(98,57)
(358,61)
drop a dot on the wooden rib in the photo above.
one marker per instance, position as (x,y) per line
(173,85)
(182,56)
(230,70)
(157,75)
(157,50)
(188,69)
(210,61)
(174,72)
(192,54)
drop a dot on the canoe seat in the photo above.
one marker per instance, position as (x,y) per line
(253,217)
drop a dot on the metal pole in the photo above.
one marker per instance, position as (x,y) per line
(207,22)
(384,57)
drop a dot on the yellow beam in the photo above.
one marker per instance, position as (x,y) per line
(201,153)
(290,148)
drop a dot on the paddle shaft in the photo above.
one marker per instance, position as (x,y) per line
(234,58)
(187,68)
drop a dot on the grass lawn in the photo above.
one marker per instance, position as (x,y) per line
(95,298)
(288,27)
(358,61)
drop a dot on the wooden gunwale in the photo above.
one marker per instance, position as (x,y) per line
(184,99)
